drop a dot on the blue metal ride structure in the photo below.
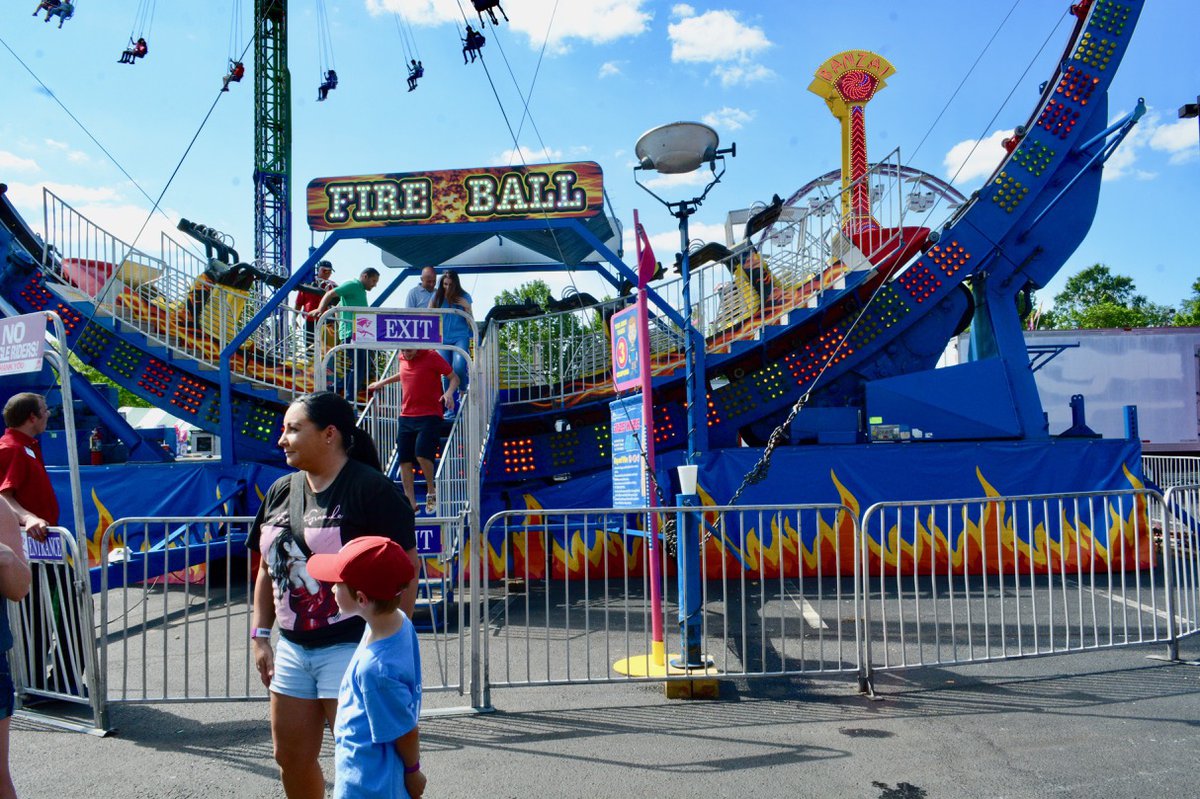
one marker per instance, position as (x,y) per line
(1016,232)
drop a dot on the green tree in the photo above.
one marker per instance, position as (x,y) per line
(126,397)
(551,348)
(1097,298)
(1189,309)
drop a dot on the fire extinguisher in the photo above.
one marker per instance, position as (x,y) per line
(94,445)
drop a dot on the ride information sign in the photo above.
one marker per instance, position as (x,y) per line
(629,484)
(22,343)
(627,363)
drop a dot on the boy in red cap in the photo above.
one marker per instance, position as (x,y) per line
(378,747)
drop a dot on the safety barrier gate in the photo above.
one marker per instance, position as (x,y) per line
(53,655)
(960,581)
(174,611)
(564,596)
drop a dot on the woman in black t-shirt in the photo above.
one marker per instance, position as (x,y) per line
(335,497)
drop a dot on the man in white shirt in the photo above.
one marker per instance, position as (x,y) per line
(421,294)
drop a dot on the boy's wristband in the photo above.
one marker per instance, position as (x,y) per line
(413,769)
(260,632)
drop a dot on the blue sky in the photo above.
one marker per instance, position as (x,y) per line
(611,69)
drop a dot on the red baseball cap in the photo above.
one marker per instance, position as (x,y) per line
(375,565)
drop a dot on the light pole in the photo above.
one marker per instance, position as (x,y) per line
(675,149)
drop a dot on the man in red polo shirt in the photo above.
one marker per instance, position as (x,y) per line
(24,483)
(422,401)
(25,486)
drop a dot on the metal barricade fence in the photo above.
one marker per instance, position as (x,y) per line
(443,618)
(968,580)
(54,653)
(174,606)
(564,595)
(1180,528)
(175,611)
(1167,471)
(568,594)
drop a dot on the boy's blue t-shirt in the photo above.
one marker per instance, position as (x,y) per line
(379,701)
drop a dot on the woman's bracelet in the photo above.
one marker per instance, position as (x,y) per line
(413,769)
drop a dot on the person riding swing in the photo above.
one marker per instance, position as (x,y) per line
(473,44)
(330,83)
(135,50)
(63,9)
(237,71)
(490,7)
(416,70)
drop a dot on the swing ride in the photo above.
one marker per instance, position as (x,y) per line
(820,318)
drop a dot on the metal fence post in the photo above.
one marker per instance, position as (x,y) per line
(1167,524)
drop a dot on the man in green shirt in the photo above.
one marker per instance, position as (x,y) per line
(352,294)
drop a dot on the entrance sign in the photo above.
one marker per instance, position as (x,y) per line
(541,191)
(48,551)
(629,478)
(22,343)
(626,352)
(398,329)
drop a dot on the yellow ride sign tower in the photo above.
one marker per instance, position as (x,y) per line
(847,82)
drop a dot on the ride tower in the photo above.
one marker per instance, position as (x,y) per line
(847,82)
(272,138)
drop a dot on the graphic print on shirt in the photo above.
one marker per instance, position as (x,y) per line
(301,601)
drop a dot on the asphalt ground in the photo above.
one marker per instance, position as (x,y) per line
(1111,723)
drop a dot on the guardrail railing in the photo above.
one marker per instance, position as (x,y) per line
(172,302)
(1167,471)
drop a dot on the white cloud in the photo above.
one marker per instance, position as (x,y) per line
(103,207)
(734,74)
(973,159)
(718,37)
(529,155)
(713,36)
(728,118)
(609,68)
(594,21)
(700,177)
(1178,138)
(74,156)
(418,13)
(665,243)
(29,196)
(11,162)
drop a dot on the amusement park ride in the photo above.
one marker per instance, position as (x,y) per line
(817,325)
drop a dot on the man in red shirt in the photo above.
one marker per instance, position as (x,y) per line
(24,483)
(25,486)
(422,402)
(308,297)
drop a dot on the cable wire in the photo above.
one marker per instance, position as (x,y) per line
(133,243)
(77,121)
